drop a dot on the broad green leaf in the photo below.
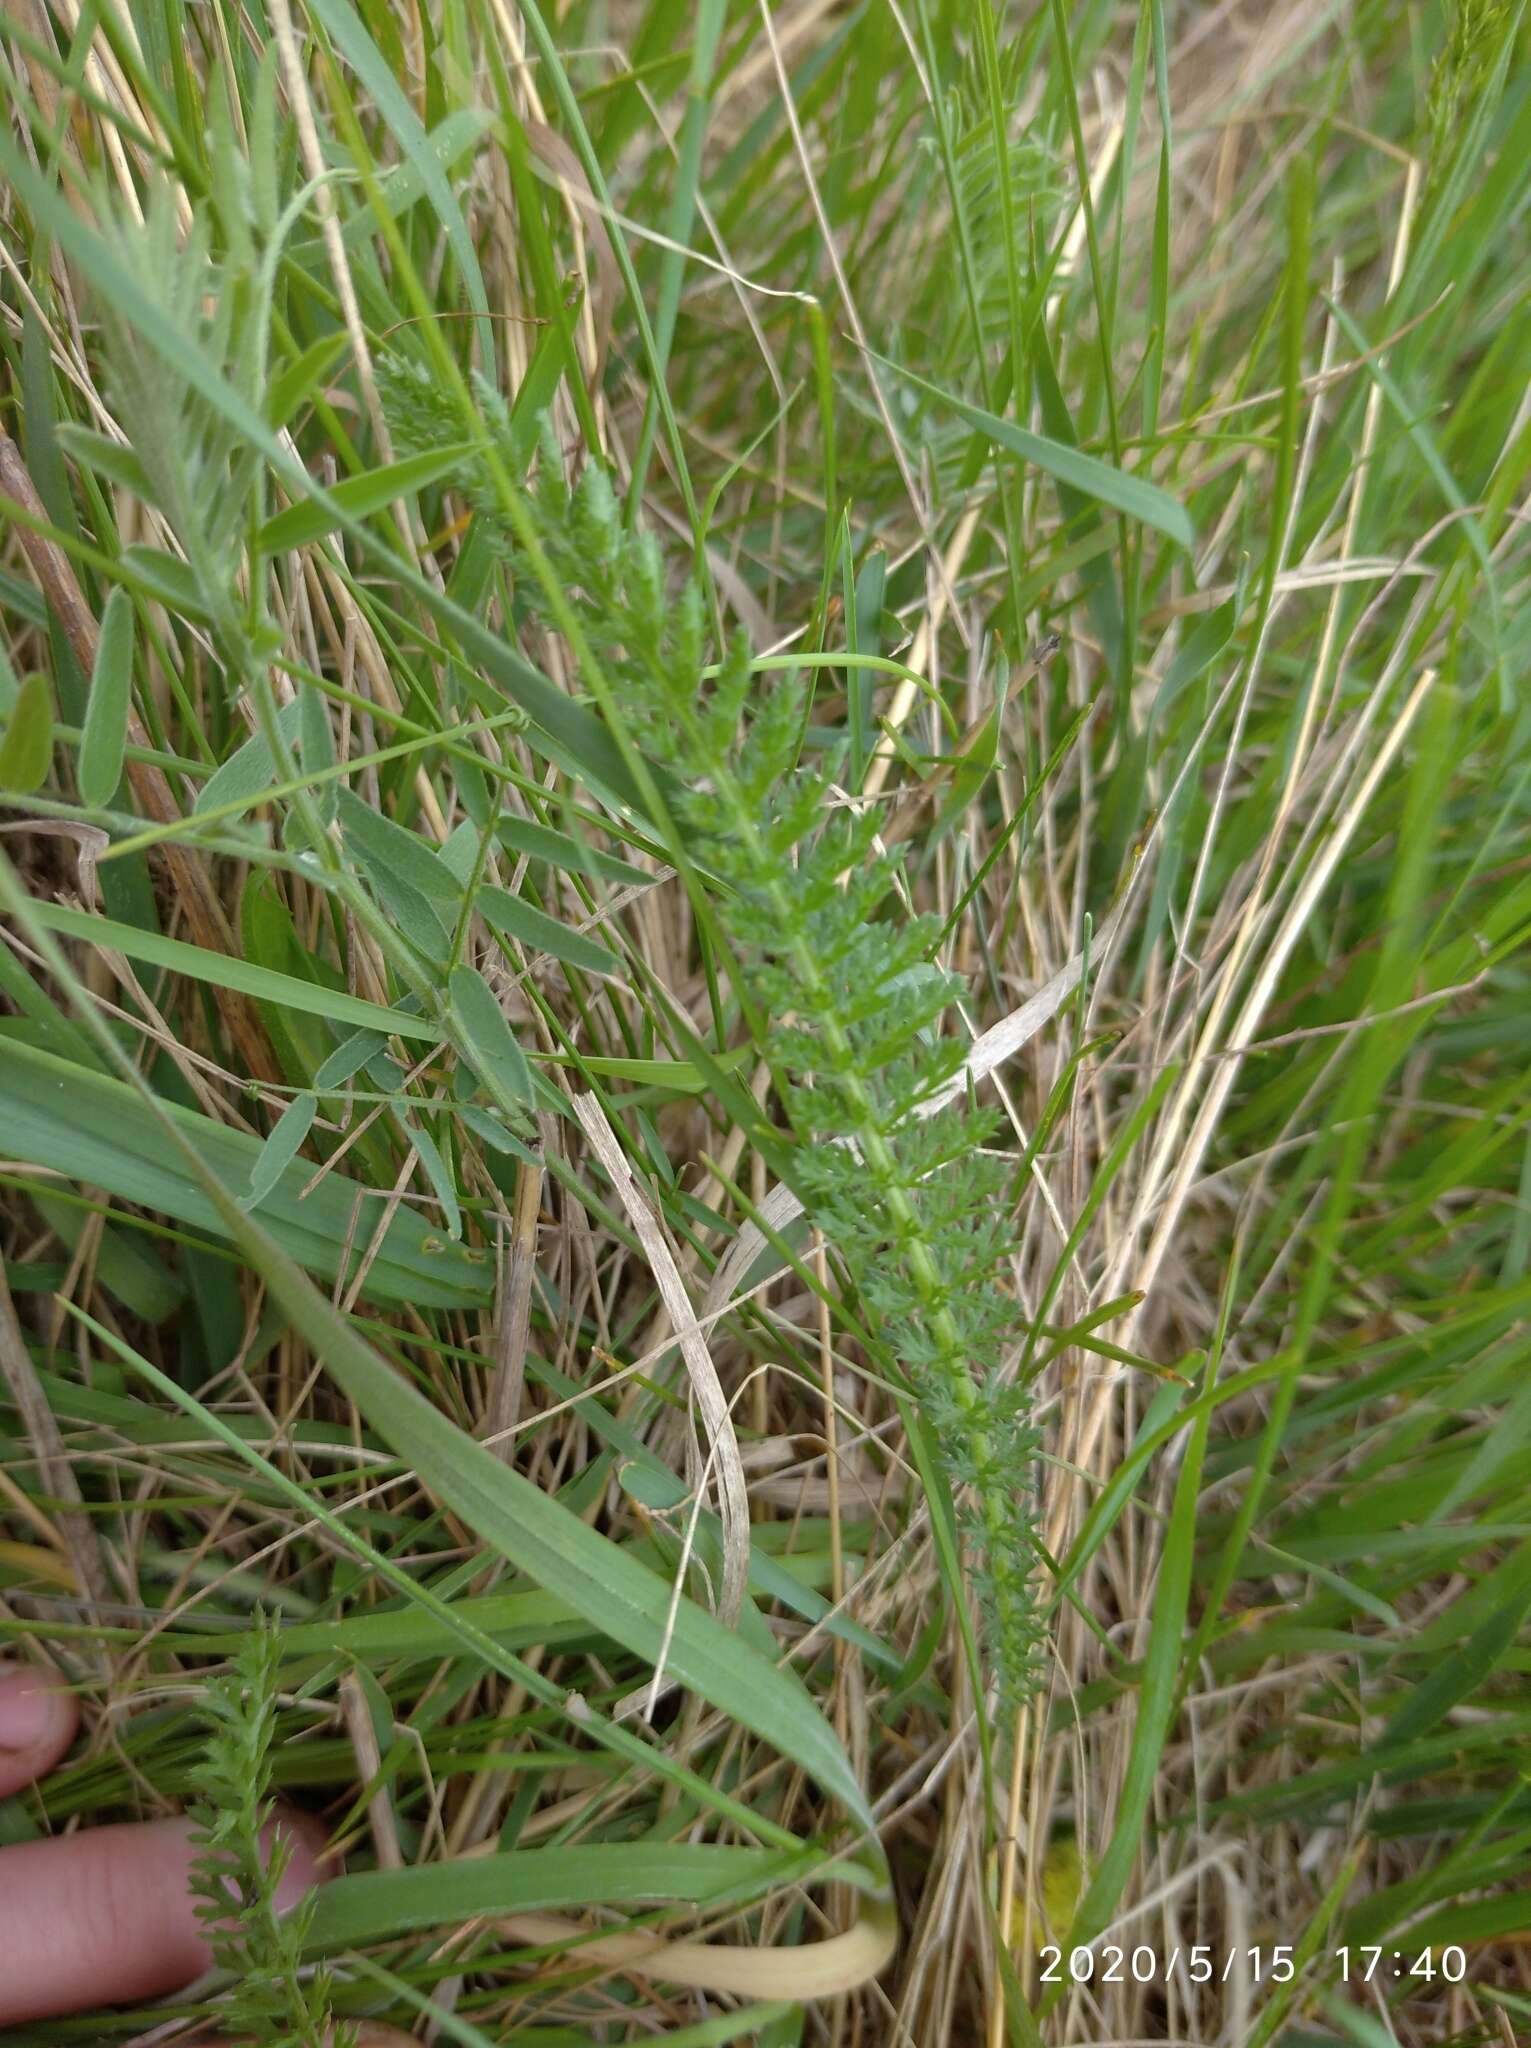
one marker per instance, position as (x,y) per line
(268,938)
(358,497)
(64,1117)
(534,399)
(105,736)
(541,933)
(223,970)
(263,1252)
(488,1041)
(563,850)
(1123,492)
(393,846)
(281,1147)
(26,750)
(291,385)
(249,772)
(378,1905)
(126,1266)
(439,1176)
(555,1547)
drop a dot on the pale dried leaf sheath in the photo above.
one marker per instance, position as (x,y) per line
(357,1716)
(733,1499)
(812,1969)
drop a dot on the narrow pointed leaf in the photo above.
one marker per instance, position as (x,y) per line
(1123,492)
(358,497)
(541,933)
(281,1147)
(27,747)
(489,1041)
(105,736)
(249,771)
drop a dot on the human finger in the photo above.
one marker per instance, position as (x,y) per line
(37,1724)
(108,1916)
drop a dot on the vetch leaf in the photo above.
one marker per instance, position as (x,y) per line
(112,459)
(348,1058)
(394,847)
(249,771)
(105,734)
(27,748)
(436,1172)
(281,1147)
(541,933)
(164,577)
(494,1133)
(563,850)
(489,1042)
(316,744)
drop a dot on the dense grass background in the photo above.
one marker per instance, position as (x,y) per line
(1119,415)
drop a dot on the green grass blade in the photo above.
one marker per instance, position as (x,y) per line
(1132,495)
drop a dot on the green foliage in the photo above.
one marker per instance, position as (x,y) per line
(847,1005)
(1461,71)
(242,1860)
(26,744)
(1235,451)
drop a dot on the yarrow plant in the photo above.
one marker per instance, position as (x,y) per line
(274,2000)
(898,1182)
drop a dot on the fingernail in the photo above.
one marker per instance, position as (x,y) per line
(26,1711)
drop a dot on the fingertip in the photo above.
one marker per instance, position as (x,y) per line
(110,1915)
(38,1719)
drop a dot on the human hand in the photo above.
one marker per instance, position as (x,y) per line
(105,1916)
